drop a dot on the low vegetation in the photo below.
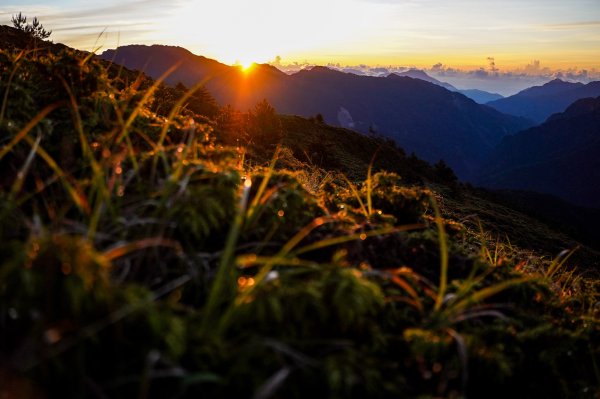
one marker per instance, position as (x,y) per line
(147,251)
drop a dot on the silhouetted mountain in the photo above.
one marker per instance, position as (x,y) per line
(229,84)
(419,74)
(558,157)
(481,96)
(420,116)
(155,60)
(539,102)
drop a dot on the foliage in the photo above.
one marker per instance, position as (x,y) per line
(445,172)
(141,256)
(259,129)
(263,124)
(35,29)
(199,103)
(231,126)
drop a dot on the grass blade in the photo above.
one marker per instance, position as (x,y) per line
(559,261)
(18,184)
(143,101)
(487,292)
(223,288)
(76,194)
(357,195)
(443,255)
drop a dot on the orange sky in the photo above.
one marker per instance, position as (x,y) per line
(459,33)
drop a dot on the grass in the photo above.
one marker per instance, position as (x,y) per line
(141,257)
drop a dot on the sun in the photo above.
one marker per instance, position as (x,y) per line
(245,65)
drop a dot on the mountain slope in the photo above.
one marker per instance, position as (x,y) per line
(557,157)
(419,74)
(580,223)
(420,116)
(401,108)
(156,59)
(539,102)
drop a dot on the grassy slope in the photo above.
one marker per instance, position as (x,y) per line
(349,152)
(133,269)
(333,148)
(518,228)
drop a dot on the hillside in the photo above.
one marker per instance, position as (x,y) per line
(462,132)
(573,221)
(555,157)
(527,219)
(151,251)
(539,102)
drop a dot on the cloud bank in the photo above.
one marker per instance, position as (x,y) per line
(490,77)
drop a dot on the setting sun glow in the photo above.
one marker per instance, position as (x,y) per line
(460,33)
(245,66)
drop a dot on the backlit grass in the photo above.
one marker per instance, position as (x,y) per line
(143,257)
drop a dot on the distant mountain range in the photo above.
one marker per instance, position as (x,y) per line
(539,102)
(560,157)
(420,116)
(419,74)
(479,96)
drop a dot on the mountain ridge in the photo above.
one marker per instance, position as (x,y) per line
(540,102)
(420,74)
(396,107)
(555,157)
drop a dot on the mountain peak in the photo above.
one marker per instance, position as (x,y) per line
(321,69)
(539,102)
(417,72)
(268,68)
(549,88)
(556,81)
(580,107)
(153,47)
(422,75)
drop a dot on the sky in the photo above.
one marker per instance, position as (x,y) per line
(456,39)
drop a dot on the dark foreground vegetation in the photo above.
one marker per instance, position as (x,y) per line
(155,245)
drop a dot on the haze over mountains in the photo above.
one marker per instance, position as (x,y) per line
(559,157)
(479,96)
(420,116)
